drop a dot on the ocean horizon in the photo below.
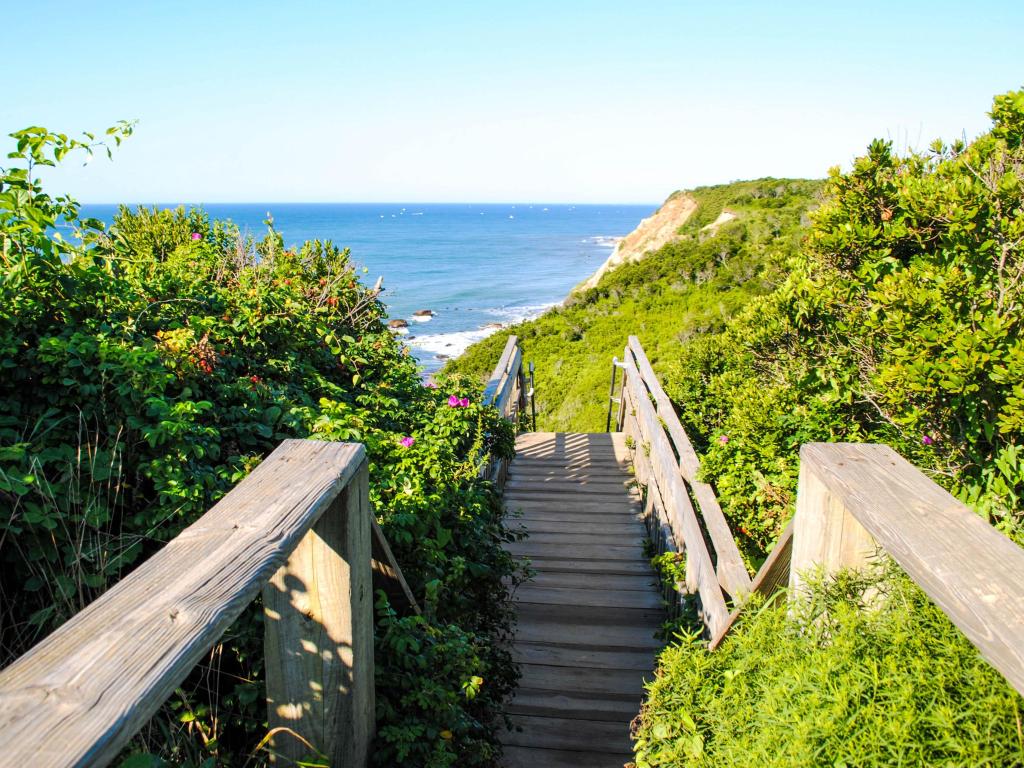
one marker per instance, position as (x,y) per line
(477,266)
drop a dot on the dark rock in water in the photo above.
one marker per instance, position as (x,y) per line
(492,327)
(398,324)
(423,313)
(442,357)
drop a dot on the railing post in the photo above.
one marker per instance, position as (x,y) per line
(318,637)
(825,534)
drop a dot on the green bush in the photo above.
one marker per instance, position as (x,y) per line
(146,369)
(837,684)
(901,322)
(687,288)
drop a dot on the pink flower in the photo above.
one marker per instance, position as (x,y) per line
(926,440)
(196,236)
(464,402)
(430,385)
(406,442)
(723,439)
(453,401)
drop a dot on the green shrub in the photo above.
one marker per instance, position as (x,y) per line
(687,288)
(901,323)
(146,369)
(836,684)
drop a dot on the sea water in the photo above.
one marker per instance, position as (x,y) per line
(473,265)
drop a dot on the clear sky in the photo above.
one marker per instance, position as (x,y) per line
(553,101)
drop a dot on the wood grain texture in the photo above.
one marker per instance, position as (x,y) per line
(681,515)
(97,679)
(585,633)
(318,637)
(732,573)
(970,570)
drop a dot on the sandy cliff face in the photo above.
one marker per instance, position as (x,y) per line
(652,233)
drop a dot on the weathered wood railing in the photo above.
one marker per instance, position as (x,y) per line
(666,466)
(854,501)
(298,529)
(510,390)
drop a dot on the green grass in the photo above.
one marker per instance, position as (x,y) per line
(836,684)
(686,288)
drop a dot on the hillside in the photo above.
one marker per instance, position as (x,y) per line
(689,286)
(652,233)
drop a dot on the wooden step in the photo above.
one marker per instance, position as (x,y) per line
(581,680)
(577,507)
(641,659)
(616,709)
(591,619)
(539,548)
(559,733)
(593,598)
(548,629)
(536,757)
(629,567)
(627,526)
(595,581)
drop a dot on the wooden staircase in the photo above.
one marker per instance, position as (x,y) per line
(586,621)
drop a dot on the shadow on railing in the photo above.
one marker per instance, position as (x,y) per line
(300,530)
(853,501)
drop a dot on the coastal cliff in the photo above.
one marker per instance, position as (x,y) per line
(652,233)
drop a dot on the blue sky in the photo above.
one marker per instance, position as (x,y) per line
(478,101)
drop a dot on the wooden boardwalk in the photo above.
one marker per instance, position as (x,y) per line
(587,620)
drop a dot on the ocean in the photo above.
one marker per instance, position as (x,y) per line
(473,265)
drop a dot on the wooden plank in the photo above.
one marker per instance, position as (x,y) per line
(598,736)
(548,677)
(680,512)
(529,701)
(633,537)
(609,598)
(969,569)
(732,572)
(772,576)
(531,757)
(624,525)
(318,637)
(595,581)
(491,388)
(78,696)
(617,481)
(593,618)
(626,507)
(629,567)
(561,656)
(598,552)
(550,629)
(550,514)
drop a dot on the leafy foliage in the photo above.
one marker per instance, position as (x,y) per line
(146,369)
(837,684)
(900,323)
(687,288)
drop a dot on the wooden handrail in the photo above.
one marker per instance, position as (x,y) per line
(506,390)
(854,499)
(732,573)
(667,466)
(299,529)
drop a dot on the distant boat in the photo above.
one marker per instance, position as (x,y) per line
(511,216)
